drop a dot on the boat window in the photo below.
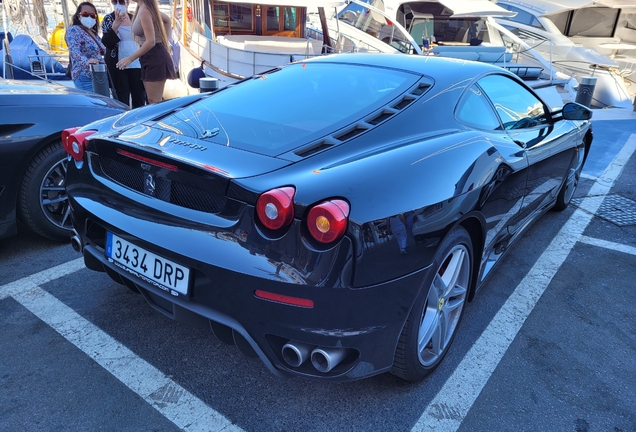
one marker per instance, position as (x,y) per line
(522,16)
(560,20)
(375,24)
(433,21)
(281,21)
(233,18)
(475,111)
(289,18)
(515,105)
(593,22)
(273,17)
(275,113)
(351,13)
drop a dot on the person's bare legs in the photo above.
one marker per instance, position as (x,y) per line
(154,91)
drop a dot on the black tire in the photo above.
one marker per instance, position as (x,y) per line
(42,201)
(434,314)
(571,182)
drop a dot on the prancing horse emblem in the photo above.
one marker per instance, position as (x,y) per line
(209,133)
(149,184)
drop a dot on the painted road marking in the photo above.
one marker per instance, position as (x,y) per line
(608,245)
(42,277)
(588,177)
(173,401)
(452,403)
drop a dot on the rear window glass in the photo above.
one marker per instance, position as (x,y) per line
(277,112)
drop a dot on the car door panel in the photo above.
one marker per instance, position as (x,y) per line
(548,145)
(502,192)
(502,198)
(550,152)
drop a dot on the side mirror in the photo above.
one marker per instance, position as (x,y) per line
(576,111)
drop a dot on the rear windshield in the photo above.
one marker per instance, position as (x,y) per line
(277,112)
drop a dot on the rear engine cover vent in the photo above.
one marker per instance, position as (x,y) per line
(404,102)
(381,117)
(351,133)
(371,121)
(421,89)
(315,148)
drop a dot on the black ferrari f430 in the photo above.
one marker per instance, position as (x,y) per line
(332,217)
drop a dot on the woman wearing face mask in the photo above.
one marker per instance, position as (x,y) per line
(84,47)
(149,26)
(120,43)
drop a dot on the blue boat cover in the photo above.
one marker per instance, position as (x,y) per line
(20,48)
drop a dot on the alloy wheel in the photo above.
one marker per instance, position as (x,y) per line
(444,305)
(573,178)
(53,198)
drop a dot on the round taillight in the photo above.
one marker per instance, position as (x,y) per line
(275,208)
(76,146)
(76,143)
(66,133)
(327,221)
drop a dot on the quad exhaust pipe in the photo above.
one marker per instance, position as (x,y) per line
(76,242)
(296,353)
(323,359)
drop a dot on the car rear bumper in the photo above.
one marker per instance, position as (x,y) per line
(364,322)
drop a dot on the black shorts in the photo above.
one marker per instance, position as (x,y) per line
(156,64)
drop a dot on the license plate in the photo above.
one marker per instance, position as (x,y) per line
(158,271)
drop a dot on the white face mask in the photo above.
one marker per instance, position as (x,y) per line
(120,8)
(88,21)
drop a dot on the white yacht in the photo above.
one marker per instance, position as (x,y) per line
(232,40)
(583,38)
(462,29)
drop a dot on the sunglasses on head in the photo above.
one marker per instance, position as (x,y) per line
(88,14)
(121,2)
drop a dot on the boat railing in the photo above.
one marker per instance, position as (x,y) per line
(341,43)
(44,65)
(41,66)
(239,62)
(237,59)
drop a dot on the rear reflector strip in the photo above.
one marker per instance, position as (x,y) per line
(279,298)
(147,160)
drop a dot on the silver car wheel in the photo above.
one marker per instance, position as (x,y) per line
(573,178)
(444,305)
(53,197)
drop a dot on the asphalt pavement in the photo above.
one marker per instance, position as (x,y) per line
(549,344)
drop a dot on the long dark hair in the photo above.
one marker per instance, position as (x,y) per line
(153,7)
(76,16)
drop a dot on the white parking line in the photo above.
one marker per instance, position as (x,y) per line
(452,403)
(588,176)
(608,245)
(173,401)
(42,277)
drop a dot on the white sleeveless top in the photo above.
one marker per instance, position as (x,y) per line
(127,46)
